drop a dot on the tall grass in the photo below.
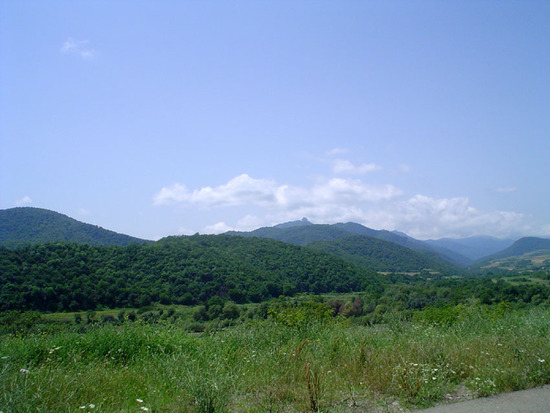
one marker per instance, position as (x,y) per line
(268,366)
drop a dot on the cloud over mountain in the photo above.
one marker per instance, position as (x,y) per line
(341,198)
(244,190)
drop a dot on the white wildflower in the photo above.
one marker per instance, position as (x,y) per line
(541,360)
(139,400)
(91,406)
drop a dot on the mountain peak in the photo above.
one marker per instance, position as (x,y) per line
(299,223)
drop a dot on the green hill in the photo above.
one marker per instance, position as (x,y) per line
(174,270)
(380,255)
(297,235)
(304,233)
(523,246)
(303,222)
(23,226)
(529,253)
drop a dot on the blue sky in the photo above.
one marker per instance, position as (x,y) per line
(166,117)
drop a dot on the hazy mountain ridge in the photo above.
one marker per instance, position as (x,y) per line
(303,222)
(528,253)
(298,235)
(523,246)
(305,233)
(27,225)
(473,248)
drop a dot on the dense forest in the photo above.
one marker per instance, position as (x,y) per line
(175,270)
(364,246)
(251,268)
(384,256)
(26,225)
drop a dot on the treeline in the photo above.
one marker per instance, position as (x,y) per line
(405,293)
(175,270)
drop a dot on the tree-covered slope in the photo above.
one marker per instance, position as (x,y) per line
(379,255)
(181,270)
(22,226)
(298,235)
(305,233)
(523,246)
(529,253)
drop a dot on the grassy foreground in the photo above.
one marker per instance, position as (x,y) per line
(267,365)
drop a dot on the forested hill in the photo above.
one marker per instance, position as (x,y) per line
(23,226)
(379,255)
(523,246)
(181,270)
(305,233)
(298,235)
(527,253)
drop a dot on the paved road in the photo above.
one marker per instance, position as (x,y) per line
(526,401)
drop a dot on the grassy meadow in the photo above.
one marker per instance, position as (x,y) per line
(298,359)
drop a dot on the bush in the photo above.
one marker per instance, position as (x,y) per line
(299,314)
(18,322)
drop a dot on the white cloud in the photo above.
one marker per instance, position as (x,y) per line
(84,212)
(425,217)
(174,194)
(507,189)
(240,190)
(349,191)
(250,222)
(185,231)
(78,48)
(343,166)
(404,168)
(343,199)
(419,216)
(328,201)
(218,228)
(26,200)
(336,151)
(244,190)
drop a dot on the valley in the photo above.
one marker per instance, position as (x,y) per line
(295,317)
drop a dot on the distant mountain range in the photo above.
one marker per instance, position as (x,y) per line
(527,253)
(473,248)
(23,226)
(373,249)
(383,250)
(379,250)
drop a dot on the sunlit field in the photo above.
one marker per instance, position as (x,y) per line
(297,359)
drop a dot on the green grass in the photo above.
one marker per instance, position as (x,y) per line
(265,366)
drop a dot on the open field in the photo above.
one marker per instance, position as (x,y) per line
(293,361)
